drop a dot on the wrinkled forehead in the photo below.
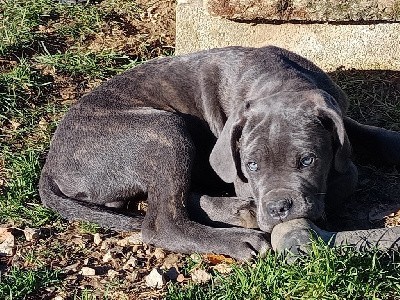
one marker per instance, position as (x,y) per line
(292,102)
(284,128)
(287,119)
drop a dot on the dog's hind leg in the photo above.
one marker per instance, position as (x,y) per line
(377,145)
(73,209)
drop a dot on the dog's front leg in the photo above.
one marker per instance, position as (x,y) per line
(166,169)
(223,211)
(169,226)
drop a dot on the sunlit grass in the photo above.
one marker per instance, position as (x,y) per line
(19,283)
(326,273)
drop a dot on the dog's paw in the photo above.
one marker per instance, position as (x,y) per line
(296,235)
(245,244)
(246,214)
(247,218)
(291,237)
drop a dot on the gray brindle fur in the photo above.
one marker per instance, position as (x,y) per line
(264,119)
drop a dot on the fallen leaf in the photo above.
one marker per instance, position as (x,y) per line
(159,253)
(180,278)
(170,261)
(31,234)
(130,263)
(155,279)
(223,268)
(7,242)
(3,231)
(135,248)
(107,257)
(43,123)
(15,124)
(112,273)
(72,267)
(133,276)
(86,271)
(78,242)
(393,220)
(215,259)
(133,239)
(200,276)
(104,245)
(97,239)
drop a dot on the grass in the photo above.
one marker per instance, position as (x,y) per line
(18,203)
(20,87)
(374,96)
(19,283)
(86,294)
(19,21)
(78,21)
(24,23)
(326,273)
(88,64)
(88,227)
(28,112)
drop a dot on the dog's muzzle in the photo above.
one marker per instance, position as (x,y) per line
(281,205)
(279,209)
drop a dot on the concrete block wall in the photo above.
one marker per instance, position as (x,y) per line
(359,45)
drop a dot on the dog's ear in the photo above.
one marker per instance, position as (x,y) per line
(225,158)
(330,116)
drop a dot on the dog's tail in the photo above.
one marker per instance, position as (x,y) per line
(72,209)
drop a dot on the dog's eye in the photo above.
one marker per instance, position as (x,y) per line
(307,160)
(252,165)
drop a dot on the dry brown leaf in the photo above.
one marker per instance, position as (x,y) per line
(171,260)
(7,242)
(159,253)
(15,125)
(215,259)
(86,271)
(381,212)
(200,276)
(43,123)
(223,268)
(97,239)
(180,278)
(107,257)
(155,279)
(31,234)
(112,273)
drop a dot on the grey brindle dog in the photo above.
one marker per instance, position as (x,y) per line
(264,119)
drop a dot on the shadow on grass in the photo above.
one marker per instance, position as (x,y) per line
(374,100)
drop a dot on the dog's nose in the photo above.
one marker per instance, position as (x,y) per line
(279,209)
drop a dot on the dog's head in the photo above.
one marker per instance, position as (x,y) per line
(284,147)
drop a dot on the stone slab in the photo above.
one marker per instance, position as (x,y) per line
(306,10)
(362,47)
